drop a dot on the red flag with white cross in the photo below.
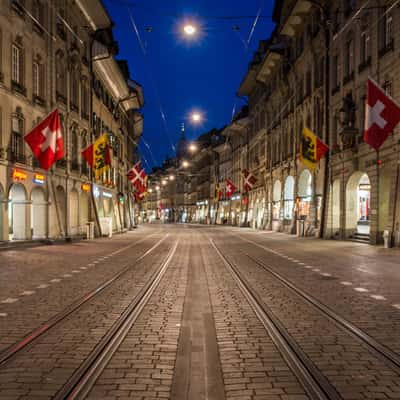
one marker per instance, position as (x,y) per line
(249,180)
(382,114)
(46,140)
(230,188)
(137,176)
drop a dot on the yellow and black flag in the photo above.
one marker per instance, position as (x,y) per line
(312,149)
(98,155)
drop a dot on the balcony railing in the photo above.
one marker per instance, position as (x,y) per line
(16,157)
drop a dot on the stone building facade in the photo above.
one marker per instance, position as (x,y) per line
(312,72)
(61,55)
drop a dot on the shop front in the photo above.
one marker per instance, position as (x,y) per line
(304,201)
(358,201)
(39,213)
(235,209)
(18,212)
(288,203)
(276,205)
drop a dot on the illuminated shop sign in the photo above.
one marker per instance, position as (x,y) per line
(108,195)
(39,179)
(86,187)
(96,191)
(19,175)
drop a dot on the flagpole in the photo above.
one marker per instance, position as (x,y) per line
(377,196)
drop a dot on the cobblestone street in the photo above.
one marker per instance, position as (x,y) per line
(199,312)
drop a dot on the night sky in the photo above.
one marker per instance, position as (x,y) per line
(182,75)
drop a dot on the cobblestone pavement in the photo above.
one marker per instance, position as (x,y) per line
(39,282)
(358,281)
(198,337)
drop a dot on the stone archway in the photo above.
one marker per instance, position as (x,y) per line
(304,193)
(17,212)
(333,225)
(73,212)
(38,213)
(288,198)
(84,208)
(358,195)
(276,205)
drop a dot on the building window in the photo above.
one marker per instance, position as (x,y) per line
(387,87)
(17,65)
(38,14)
(74,149)
(85,101)
(38,80)
(364,46)
(75,90)
(336,71)
(348,59)
(61,81)
(16,148)
(386,30)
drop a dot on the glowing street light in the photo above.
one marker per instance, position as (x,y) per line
(150,190)
(164,182)
(185,164)
(171,177)
(157,188)
(196,117)
(189,29)
(192,147)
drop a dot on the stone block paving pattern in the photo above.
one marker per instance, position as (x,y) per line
(143,366)
(337,273)
(40,371)
(54,276)
(252,367)
(351,369)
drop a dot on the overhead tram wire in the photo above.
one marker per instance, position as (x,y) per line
(151,77)
(246,49)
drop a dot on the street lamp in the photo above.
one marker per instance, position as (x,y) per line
(171,177)
(185,164)
(150,190)
(157,188)
(192,147)
(189,29)
(196,117)
(164,182)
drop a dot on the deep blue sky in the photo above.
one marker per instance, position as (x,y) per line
(202,74)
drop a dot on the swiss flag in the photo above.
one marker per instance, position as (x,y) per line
(46,140)
(230,188)
(382,115)
(249,180)
(137,176)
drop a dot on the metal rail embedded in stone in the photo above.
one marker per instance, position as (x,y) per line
(391,358)
(7,354)
(314,382)
(84,378)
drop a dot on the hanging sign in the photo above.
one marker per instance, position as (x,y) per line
(85,187)
(39,179)
(19,175)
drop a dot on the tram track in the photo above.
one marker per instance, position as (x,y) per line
(29,339)
(390,357)
(310,377)
(314,328)
(84,378)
